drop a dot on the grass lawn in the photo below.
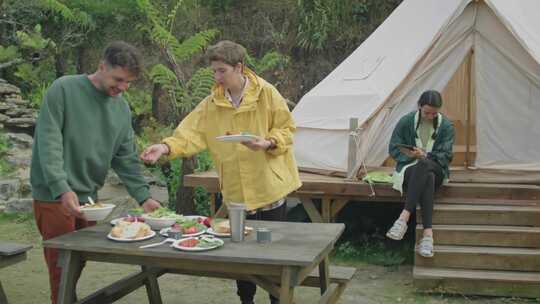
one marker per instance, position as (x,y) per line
(27,282)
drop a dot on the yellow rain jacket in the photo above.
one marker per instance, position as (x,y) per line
(245,176)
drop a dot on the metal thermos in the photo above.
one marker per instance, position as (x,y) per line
(237,221)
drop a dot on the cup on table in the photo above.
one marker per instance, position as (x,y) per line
(237,221)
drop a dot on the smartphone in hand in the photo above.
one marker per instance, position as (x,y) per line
(404,146)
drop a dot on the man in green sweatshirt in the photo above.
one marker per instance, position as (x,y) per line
(83,129)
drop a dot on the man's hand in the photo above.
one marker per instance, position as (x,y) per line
(258,144)
(70,202)
(151,154)
(150,205)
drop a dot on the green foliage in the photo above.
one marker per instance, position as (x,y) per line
(8,53)
(164,37)
(373,252)
(315,18)
(197,88)
(329,24)
(140,102)
(268,62)
(174,181)
(5,167)
(183,92)
(71,15)
(193,45)
(34,40)
(219,6)
(162,75)
(37,94)
(201,196)
(35,79)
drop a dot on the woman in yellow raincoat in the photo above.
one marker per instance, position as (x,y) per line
(259,173)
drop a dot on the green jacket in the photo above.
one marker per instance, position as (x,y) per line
(80,134)
(440,150)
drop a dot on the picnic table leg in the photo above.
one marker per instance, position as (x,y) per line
(324,275)
(213,204)
(311,210)
(325,208)
(152,286)
(70,262)
(3,298)
(286,292)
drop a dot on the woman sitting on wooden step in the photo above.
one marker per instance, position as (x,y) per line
(421,144)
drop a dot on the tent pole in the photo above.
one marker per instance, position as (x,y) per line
(469,106)
(353,147)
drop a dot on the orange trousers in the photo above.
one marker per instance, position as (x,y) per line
(53,220)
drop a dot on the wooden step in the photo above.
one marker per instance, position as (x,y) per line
(486,201)
(445,214)
(487,258)
(478,235)
(490,191)
(477,282)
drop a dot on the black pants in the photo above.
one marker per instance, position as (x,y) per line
(421,181)
(246,289)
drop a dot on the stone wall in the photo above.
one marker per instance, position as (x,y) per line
(16,114)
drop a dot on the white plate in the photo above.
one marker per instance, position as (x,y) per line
(164,231)
(211,231)
(116,220)
(151,235)
(195,217)
(236,138)
(175,245)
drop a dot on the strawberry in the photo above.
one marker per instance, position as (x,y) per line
(207,222)
(189,243)
(191,230)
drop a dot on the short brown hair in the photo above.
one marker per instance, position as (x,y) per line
(125,55)
(228,52)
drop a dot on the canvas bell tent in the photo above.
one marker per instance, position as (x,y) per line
(484,56)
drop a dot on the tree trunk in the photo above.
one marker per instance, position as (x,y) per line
(185,200)
(60,64)
(80,55)
(162,110)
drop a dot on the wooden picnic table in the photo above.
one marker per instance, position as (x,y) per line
(11,253)
(296,250)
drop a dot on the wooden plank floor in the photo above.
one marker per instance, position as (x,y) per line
(316,185)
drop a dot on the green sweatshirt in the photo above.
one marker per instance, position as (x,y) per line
(405,133)
(80,134)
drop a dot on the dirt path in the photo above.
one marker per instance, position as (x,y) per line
(27,282)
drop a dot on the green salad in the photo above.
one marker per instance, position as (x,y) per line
(205,242)
(163,212)
(185,223)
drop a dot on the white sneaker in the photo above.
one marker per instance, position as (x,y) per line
(425,247)
(398,230)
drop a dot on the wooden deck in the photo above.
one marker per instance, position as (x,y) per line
(335,192)
(486,227)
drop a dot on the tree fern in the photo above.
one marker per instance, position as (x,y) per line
(71,15)
(193,45)
(198,87)
(162,75)
(269,61)
(172,15)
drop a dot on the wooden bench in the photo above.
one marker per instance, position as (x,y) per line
(340,276)
(11,253)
